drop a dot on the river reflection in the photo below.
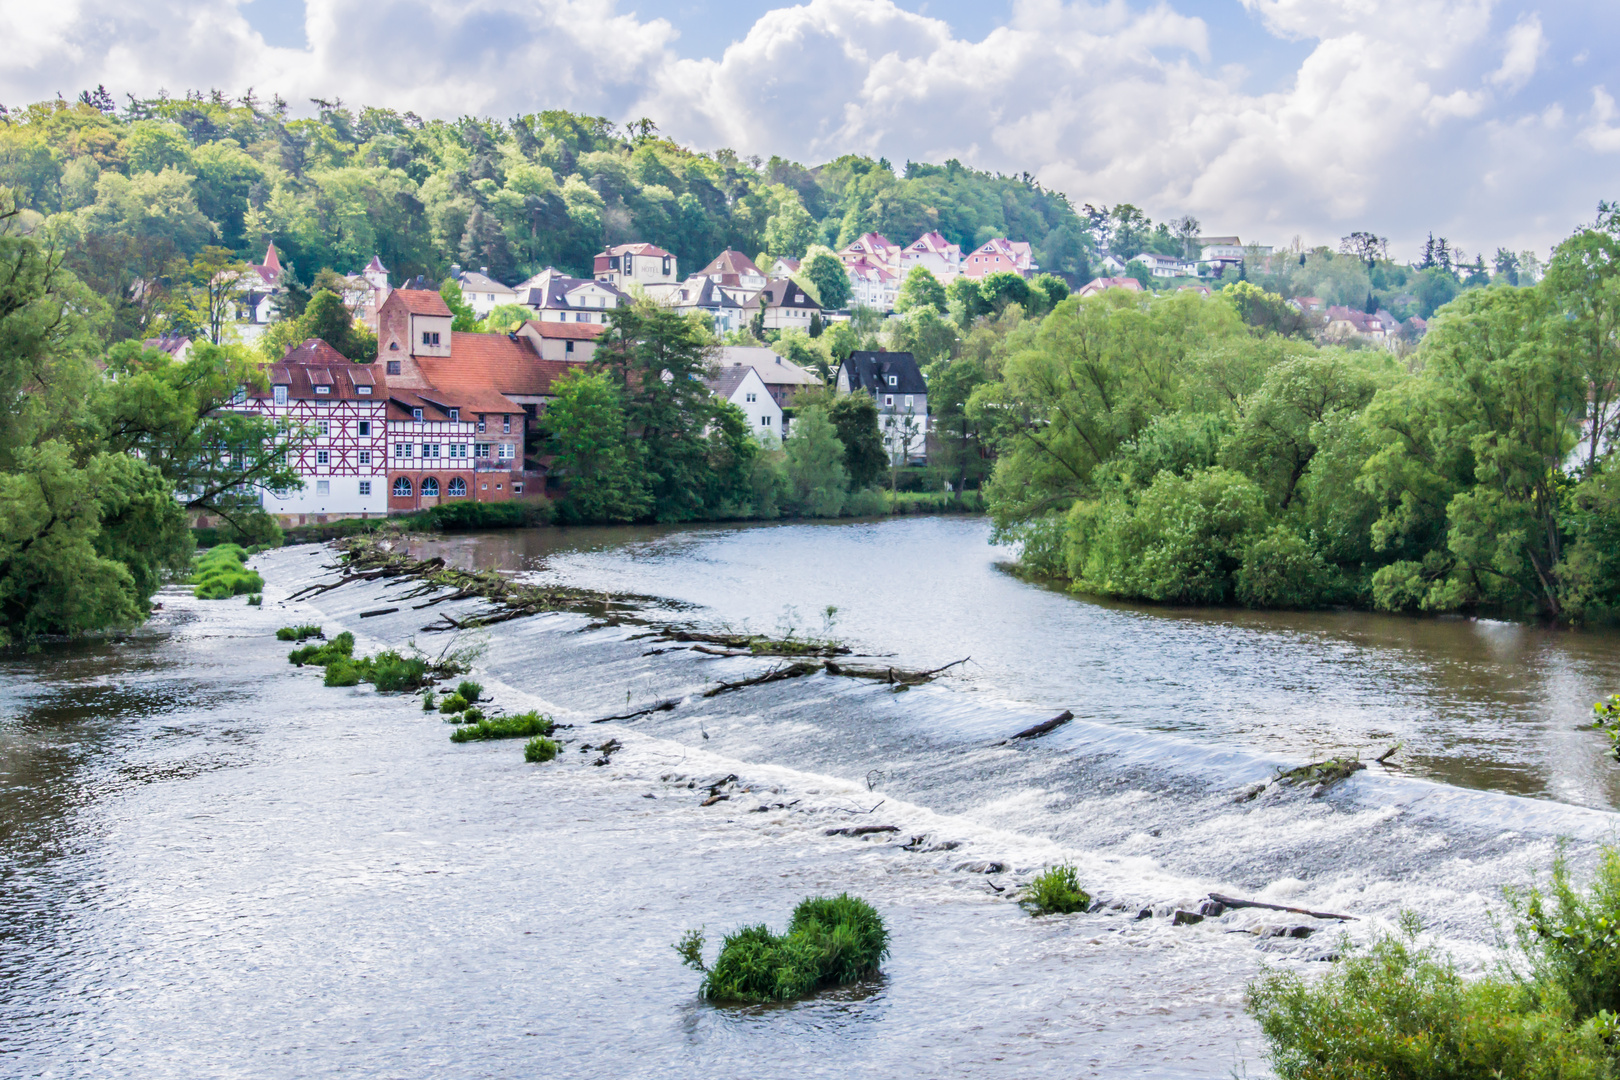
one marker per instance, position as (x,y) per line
(1477,703)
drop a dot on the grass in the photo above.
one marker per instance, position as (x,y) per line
(473,715)
(469,690)
(299,633)
(453,704)
(1056,891)
(1397,1008)
(220,573)
(521,726)
(256,600)
(539,749)
(339,648)
(428,703)
(831,941)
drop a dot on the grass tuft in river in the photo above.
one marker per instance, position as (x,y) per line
(454,703)
(299,633)
(469,691)
(219,573)
(539,749)
(1056,891)
(831,941)
(520,726)
(1397,1008)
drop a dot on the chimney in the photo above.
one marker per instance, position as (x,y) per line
(484,270)
(455,271)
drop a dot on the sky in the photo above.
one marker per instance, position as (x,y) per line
(1491,122)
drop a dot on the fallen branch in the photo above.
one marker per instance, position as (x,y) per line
(1234,902)
(1044,726)
(374,612)
(861,830)
(662,706)
(792,671)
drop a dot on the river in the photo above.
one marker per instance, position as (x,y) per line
(210,864)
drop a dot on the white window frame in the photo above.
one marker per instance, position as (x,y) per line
(323,457)
(365,487)
(279,395)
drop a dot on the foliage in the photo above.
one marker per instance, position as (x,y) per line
(524,513)
(594,455)
(299,633)
(453,703)
(1396,1009)
(825,274)
(539,749)
(1055,891)
(831,941)
(521,726)
(325,317)
(339,648)
(220,573)
(815,467)
(921,289)
(469,690)
(1571,939)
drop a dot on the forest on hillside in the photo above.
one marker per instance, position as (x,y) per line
(138,192)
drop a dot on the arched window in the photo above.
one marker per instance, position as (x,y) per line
(402,488)
(430,487)
(456,488)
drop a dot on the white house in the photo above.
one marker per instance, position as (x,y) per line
(1167,266)
(482,292)
(872,284)
(943,258)
(786,305)
(624,265)
(783,378)
(555,297)
(742,386)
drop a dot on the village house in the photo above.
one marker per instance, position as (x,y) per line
(481,292)
(742,386)
(1167,266)
(785,305)
(1000,256)
(178,346)
(556,297)
(627,265)
(459,404)
(782,378)
(874,248)
(340,406)
(727,309)
(733,270)
(872,285)
(569,342)
(366,291)
(1102,284)
(942,258)
(260,284)
(896,383)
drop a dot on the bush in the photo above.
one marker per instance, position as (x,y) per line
(339,648)
(868,502)
(391,672)
(453,703)
(256,600)
(299,633)
(1280,570)
(219,573)
(473,715)
(428,704)
(831,941)
(341,673)
(539,749)
(517,514)
(520,726)
(1398,1011)
(470,690)
(1572,939)
(1056,891)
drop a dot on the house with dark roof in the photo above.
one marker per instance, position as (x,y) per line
(742,386)
(721,304)
(785,305)
(557,298)
(897,385)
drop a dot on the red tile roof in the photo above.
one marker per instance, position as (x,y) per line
(422,302)
(314,351)
(574,331)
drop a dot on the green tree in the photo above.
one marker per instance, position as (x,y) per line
(822,270)
(599,466)
(465,319)
(659,361)
(855,418)
(961,454)
(214,288)
(922,289)
(1584,280)
(505,317)
(815,466)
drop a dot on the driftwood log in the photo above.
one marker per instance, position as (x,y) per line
(1234,902)
(1045,726)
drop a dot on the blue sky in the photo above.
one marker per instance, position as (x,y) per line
(1493,122)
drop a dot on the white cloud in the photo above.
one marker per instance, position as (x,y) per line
(1603,133)
(1525,44)
(1392,122)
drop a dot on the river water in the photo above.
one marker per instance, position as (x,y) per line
(211,865)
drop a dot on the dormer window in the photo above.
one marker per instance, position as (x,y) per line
(416,414)
(323,389)
(362,389)
(894,380)
(455,414)
(280,395)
